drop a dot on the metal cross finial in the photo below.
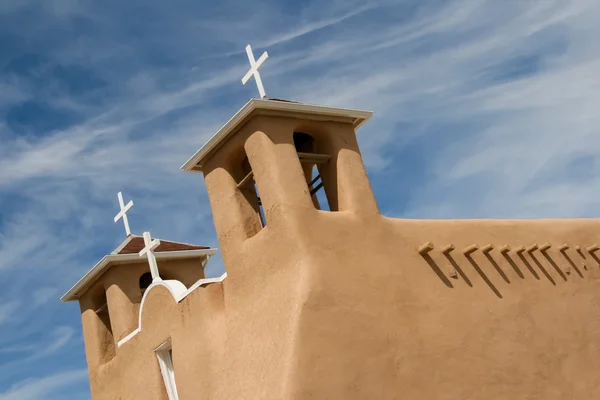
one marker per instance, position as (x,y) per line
(148,250)
(254,66)
(123,212)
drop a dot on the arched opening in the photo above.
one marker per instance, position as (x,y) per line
(304,143)
(145,282)
(102,313)
(247,186)
(106,341)
(312,165)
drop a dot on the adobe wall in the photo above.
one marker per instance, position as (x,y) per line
(120,284)
(341,305)
(382,321)
(224,346)
(376,320)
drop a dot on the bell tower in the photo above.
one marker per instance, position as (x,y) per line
(276,163)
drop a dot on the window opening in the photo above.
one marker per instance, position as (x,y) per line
(164,353)
(106,341)
(261,210)
(102,313)
(145,281)
(318,195)
(311,165)
(304,143)
(248,187)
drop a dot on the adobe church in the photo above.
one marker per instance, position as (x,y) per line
(325,298)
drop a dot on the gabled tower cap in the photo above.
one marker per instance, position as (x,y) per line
(272,107)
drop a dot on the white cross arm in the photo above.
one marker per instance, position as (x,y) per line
(254,66)
(123,213)
(148,250)
(253,70)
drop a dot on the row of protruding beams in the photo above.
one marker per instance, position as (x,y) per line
(428,246)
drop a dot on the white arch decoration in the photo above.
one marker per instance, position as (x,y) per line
(177,290)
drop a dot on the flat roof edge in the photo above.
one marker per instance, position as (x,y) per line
(90,277)
(359,116)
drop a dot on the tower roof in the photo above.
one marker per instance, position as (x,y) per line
(128,252)
(272,107)
(135,244)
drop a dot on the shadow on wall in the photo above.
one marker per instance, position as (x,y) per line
(527,257)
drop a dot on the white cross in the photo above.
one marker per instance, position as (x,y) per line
(151,244)
(123,212)
(254,66)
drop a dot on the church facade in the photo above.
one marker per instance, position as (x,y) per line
(326,298)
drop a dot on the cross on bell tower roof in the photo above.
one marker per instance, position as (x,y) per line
(254,66)
(123,213)
(128,252)
(148,251)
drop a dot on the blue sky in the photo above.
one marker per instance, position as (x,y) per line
(482,108)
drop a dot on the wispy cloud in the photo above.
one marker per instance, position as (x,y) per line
(43,294)
(46,387)
(313,26)
(54,341)
(59,337)
(7,309)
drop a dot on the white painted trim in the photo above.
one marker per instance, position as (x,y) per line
(202,282)
(148,250)
(112,259)
(174,287)
(166,369)
(126,338)
(123,212)
(254,66)
(101,308)
(177,290)
(358,116)
(124,243)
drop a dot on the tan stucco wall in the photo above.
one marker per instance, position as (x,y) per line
(120,285)
(340,305)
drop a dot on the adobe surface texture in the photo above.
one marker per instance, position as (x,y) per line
(342,305)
